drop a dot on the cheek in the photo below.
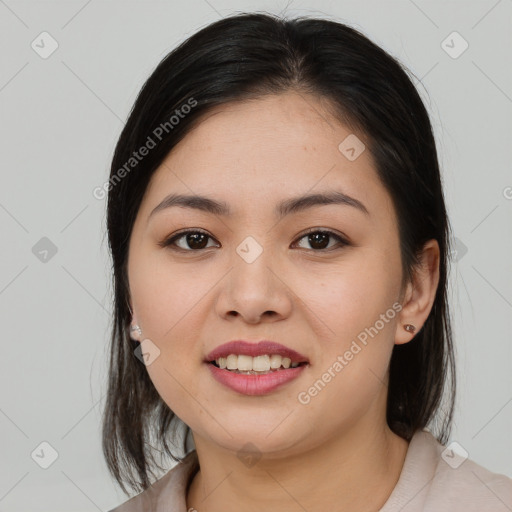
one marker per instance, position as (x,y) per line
(168,297)
(167,302)
(353,328)
(352,316)
(350,294)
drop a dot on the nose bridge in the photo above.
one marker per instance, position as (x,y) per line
(254,261)
(252,286)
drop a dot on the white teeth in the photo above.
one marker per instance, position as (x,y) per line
(232,362)
(275,361)
(263,363)
(259,363)
(245,363)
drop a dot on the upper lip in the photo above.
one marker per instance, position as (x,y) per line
(241,347)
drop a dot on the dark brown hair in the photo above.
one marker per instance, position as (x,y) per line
(250,55)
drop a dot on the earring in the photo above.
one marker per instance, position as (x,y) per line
(136,328)
(409,327)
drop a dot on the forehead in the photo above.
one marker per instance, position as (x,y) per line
(255,153)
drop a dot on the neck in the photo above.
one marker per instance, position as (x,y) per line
(356,471)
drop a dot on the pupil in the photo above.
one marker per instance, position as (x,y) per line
(192,239)
(314,240)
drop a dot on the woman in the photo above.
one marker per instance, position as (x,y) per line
(279,240)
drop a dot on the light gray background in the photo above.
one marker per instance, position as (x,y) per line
(60,118)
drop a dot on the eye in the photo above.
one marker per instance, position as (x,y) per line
(195,239)
(319,239)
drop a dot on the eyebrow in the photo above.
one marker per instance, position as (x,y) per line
(286,207)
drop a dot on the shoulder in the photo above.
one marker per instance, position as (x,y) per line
(166,494)
(465,485)
(438,478)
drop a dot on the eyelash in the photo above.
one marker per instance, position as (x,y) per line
(169,242)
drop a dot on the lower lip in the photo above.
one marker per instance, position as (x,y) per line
(255,384)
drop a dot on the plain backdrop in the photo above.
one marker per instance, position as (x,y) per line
(61,115)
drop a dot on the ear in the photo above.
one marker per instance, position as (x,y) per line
(134,334)
(420,293)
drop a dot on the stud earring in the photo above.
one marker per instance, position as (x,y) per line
(136,328)
(409,327)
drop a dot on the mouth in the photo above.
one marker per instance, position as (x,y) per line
(260,358)
(263,366)
(255,368)
(255,382)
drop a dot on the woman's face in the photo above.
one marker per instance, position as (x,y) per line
(257,275)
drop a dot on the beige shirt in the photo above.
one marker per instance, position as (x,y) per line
(433,479)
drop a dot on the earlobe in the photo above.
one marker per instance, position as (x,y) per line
(135,332)
(405,332)
(409,327)
(421,293)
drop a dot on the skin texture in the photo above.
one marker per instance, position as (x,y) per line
(336,452)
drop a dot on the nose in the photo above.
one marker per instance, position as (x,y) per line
(256,291)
